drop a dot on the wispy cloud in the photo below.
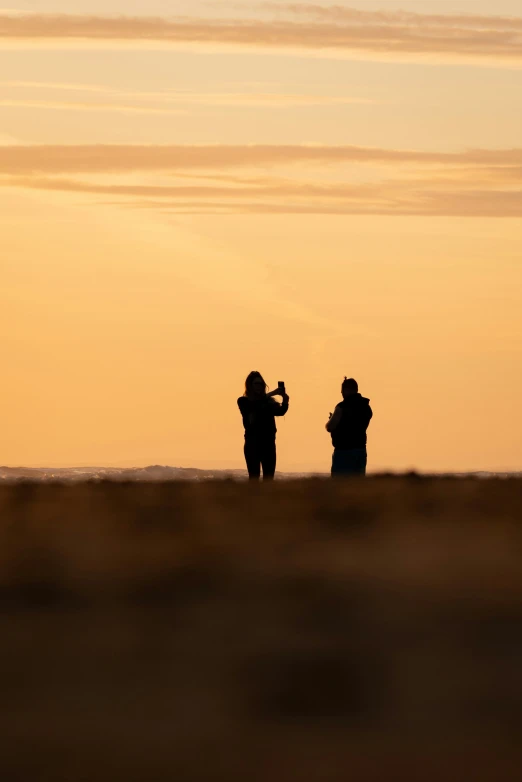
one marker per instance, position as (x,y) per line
(166,97)
(79,106)
(210,179)
(332,29)
(260,189)
(455,204)
(116,158)
(483,204)
(395,18)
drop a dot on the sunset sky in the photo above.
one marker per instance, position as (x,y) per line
(190,190)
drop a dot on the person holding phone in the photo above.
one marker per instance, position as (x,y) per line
(259,410)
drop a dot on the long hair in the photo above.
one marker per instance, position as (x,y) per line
(250,380)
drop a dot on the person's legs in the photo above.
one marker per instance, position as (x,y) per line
(349,462)
(253,460)
(268,460)
(360,458)
(337,463)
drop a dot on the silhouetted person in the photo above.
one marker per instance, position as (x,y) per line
(348,427)
(259,409)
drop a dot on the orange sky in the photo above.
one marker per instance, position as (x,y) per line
(198,189)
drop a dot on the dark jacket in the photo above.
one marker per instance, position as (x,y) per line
(259,417)
(351,429)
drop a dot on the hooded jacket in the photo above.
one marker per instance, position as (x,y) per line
(351,429)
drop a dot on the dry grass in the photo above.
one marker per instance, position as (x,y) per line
(306,631)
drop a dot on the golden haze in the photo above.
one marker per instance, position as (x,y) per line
(134,301)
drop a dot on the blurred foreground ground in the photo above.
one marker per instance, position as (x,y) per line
(306,631)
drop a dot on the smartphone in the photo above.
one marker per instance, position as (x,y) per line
(281,385)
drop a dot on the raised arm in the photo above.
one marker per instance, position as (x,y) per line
(280,409)
(334,419)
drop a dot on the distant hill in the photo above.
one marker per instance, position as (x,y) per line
(157,472)
(152,473)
